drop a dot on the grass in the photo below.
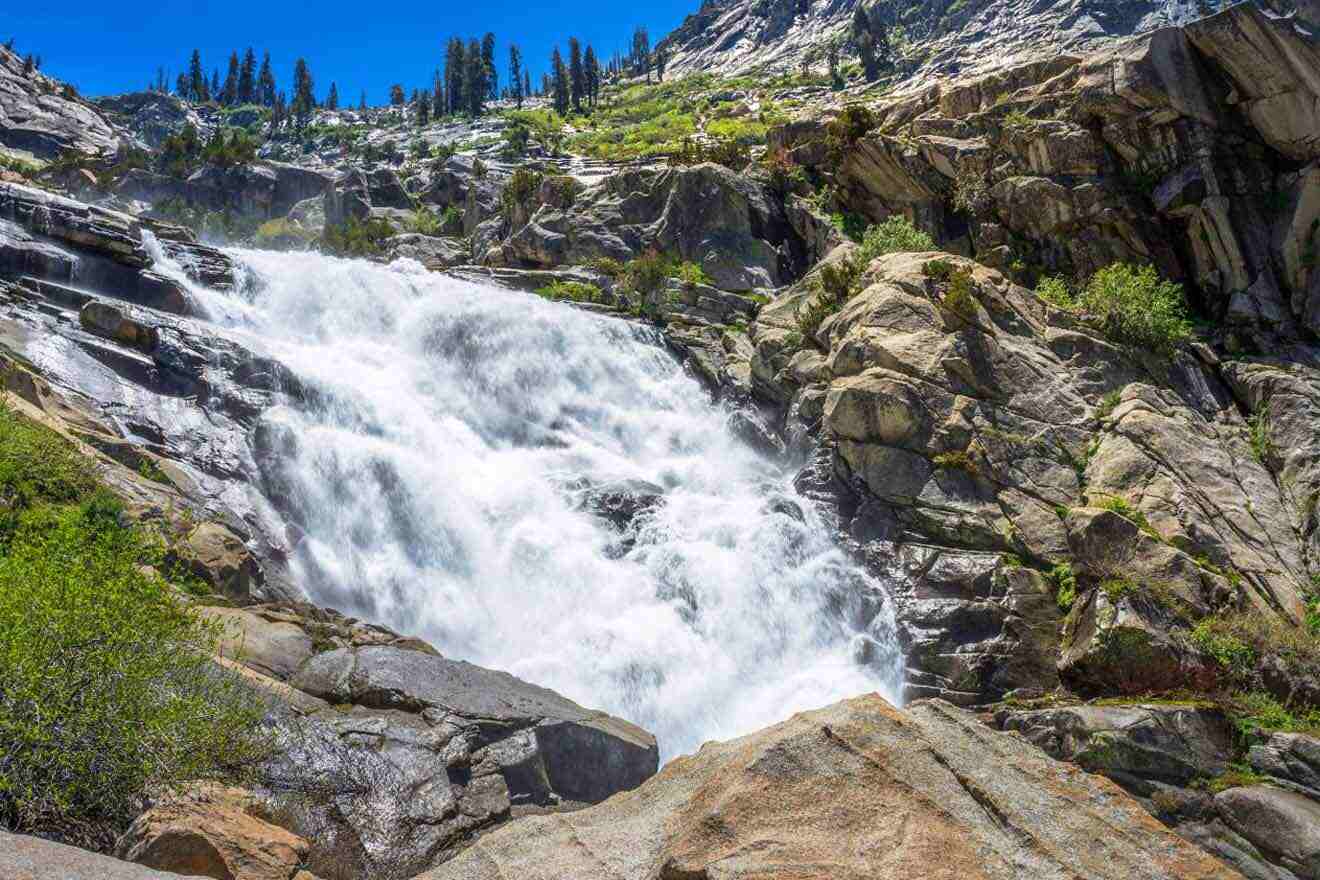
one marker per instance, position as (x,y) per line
(1259,425)
(1236,776)
(1122,507)
(1108,404)
(1218,638)
(1065,585)
(957,460)
(424,221)
(109,690)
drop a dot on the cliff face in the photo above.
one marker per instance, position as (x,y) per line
(925,39)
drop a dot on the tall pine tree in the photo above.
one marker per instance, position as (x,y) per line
(474,78)
(488,59)
(577,81)
(454,75)
(304,93)
(247,78)
(229,94)
(591,72)
(266,89)
(332,99)
(559,82)
(197,88)
(362,102)
(516,74)
(437,95)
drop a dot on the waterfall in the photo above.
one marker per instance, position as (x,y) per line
(431,473)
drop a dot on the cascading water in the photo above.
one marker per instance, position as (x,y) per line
(431,473)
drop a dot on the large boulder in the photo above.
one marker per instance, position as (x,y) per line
(152,116)
(856,790)
(347,197)
(1283,825)
(214,831)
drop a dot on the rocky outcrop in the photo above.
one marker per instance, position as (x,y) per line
(855,790)
(955,438)
(213,831)
(731,226)
(151,117)
(45,118)
(390,755)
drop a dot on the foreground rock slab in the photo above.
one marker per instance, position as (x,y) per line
(855,790)
(31,858)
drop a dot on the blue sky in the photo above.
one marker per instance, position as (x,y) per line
(107,48)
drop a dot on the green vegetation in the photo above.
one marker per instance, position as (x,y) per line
(521,189)
(109,690)
(1129,304)
(1259,424)
(958,460)
(1255,713)
(1236,776)
(1217,637)
(1124,508)
(424,221)
(1108,404)
(356,238)
(1118,588)
(572,291)
(895,235)
(1065,585)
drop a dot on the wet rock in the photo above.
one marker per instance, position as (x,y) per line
(621,502)
(106,320)
(433,252)
(807,798)
(213,553)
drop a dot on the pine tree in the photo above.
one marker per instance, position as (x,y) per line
(422,109)
(577,81)
(362,102)
(278,112)
(454,76)
(247,78)
(183,86)
(214,91)
(590,76)
(474,78)
(229,94)
(266,90)
(516,74)
(196,78)
(641,53)
(332,99)
(437,95)
(304,94)
(397,98)
(527,83)
(488,59)
(559,77)
(661,58)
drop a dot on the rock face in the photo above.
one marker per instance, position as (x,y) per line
(856,790)
(391,755)
(151,117)
(41,117)
(923,40)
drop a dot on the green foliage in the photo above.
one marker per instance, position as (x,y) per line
(443,151)
(1236,776)
(109,690)
(516,138)
(424,221)
(1257,713)
(521,189)
(1065,585)
(607,266)
(1259,424)
(958,460)
(937,270)
(852,124)
(546,127)
(960,297)
(1019,121)
(356,238)
(1055,291)
(647,274)
(851,225)
(1123,508)
(1216,637)
(451,217)
(573,291)
(19,164)
(1118,588)
(1108,403)
(691,274)
(1132,305)
(895,235)
(836,283)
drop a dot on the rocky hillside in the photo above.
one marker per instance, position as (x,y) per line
(925,40)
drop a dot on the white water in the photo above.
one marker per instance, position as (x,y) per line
(429,488)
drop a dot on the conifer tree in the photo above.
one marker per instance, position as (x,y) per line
(661,58)
(266,83)
(474,78)
(229,94)
(454,75)
(422,109)
(641,52)
(247,78)
(527,83)
(437,96)
(304,94)
(332,99)
(362,102)
(197,90)
(577,81)
(397,98)
(559,82)
(516,74)
(183,86)
(591,73)
(214,90)
(488,59)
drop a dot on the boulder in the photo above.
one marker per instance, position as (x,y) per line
(347,197)
(855,790)
(212,831)
(386,190)
(106,320)
(213,553)
(1291,758)
(1283,825)
(433,252)
(247,190)
(41,117)
(32,858)
(1141,741)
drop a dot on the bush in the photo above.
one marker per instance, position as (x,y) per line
(1215,637)
(356,238)
(1055,291)
(691,274)
(960,297)
(520,190)
(1132,305)
(896,235)
(1065,585)
(424,221)
(108,690)
(573,291)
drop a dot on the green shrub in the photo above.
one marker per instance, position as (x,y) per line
(1065,585)
(1108,404)
(1255,713)
(1132,305)
(937,270)
(896,235)
(607,266)
(425,221)
(452,216)
(1118,588)
(852,124)
(960,297)
(691,274)
(957,460)
(1123,508)
(108,688)
(573,291)
(356,238)
(1055,291)
(851,225)
(647,274)
(1259,424)
(1216,637)
(521,189)
(1236,776)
